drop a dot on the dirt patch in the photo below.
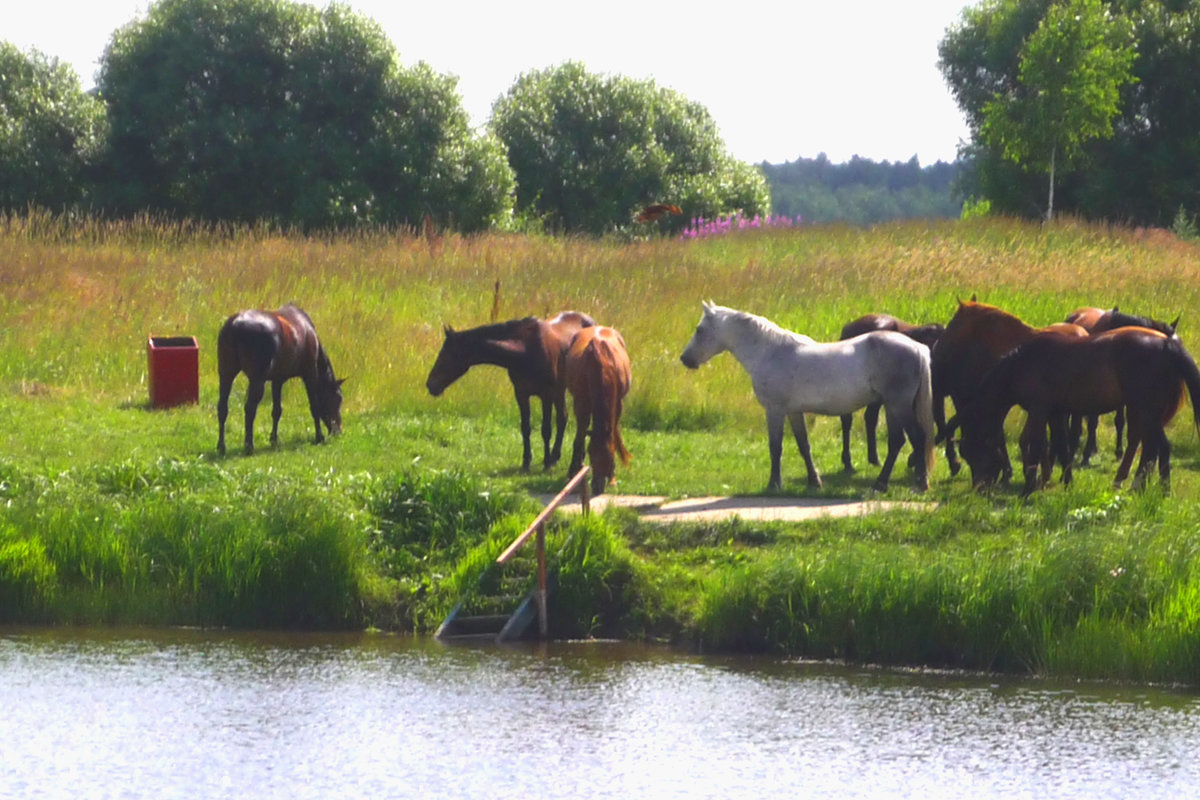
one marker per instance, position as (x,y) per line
(702,509)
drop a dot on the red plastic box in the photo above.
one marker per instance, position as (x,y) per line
(174,363)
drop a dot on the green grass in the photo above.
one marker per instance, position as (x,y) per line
(110,512)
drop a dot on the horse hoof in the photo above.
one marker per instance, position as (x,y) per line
(879,487)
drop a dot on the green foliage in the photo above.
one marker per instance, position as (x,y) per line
(590,151)
(1069,76)
(1184,226)
(50,132)
(1151,163)
(270,110)
(862,191)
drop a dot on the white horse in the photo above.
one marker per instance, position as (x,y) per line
(792,374)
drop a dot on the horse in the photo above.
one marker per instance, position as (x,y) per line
(977,336)
(925,334)
(598,377)
(532,351)
(276,346)
(792,375)
(1138,368)
(1099,320)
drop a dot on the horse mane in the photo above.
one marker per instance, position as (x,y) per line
(512,329)
(764,327)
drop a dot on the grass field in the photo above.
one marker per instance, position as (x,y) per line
(116,513)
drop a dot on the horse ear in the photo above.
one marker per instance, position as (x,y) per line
(974,297)
(1116,309)
(446,329)
(1175,323)
(339,382)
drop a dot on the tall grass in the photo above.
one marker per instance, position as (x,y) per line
(111,512)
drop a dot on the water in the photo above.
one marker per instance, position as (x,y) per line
(186,714)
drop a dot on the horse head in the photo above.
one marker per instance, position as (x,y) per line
(705,342)
(451,364)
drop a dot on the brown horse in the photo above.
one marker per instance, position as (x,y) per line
(1096,321)
(275,346)
(975,339)
(532,351)
(1138,368)
(925,334)
(598,377)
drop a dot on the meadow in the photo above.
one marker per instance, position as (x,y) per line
(115,513)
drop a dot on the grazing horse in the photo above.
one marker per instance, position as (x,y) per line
(598,378)
(276,346)
(1138,368)
(532,351)
(792,374)
(975,339)
(1099,320)
(925,334)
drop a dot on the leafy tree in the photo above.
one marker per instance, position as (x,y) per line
(251,110)
(589,151)
(1069,77)
(50,131)
(1151,165)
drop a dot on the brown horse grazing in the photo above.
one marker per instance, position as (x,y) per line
(925,334)
(1138,368)
(975,339)
(1099,320)
(598,377)
(276,346)
(532,351)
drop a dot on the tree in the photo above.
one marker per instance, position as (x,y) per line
(269,110)
(1070,73)
(589,151)
(50,131)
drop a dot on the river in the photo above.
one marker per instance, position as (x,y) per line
(191,714)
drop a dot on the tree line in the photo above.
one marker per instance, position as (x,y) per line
(862,191)
(272,111)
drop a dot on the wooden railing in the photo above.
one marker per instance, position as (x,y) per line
(538,527)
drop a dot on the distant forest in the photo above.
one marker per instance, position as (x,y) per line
(862,191)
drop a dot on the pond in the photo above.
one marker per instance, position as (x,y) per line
(192,714)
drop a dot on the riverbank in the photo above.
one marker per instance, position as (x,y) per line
(111,513)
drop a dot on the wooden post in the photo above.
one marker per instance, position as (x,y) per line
(543,621)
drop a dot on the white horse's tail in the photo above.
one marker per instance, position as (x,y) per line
(923,412)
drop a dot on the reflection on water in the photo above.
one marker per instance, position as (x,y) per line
(186,714)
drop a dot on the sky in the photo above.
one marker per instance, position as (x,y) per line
(783,80)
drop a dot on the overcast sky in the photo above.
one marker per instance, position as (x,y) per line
(783,80)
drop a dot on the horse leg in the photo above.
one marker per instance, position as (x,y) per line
(1119,422)
(223,411)
(847,424)
(548,409)
(871,422)
(583,415)
(1033,450)
(1131,446)
(1164,462)
(560,427)
(774,447)
(916,461)
(254,396)
(800,433)
(1090,448)
(946,434)
(311,390)
(277,412)
(526,431)
(1060,446)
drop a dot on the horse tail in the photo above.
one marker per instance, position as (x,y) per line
(1188,370)
(923,410)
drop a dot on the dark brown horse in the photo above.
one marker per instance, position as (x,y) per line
(532,351)
(1049,376)
(1096,321)
(925,334)
(975,339)
(598,377)
(276,346)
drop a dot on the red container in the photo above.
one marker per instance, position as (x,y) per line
(174,363)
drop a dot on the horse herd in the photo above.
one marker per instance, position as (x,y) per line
(985,360)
